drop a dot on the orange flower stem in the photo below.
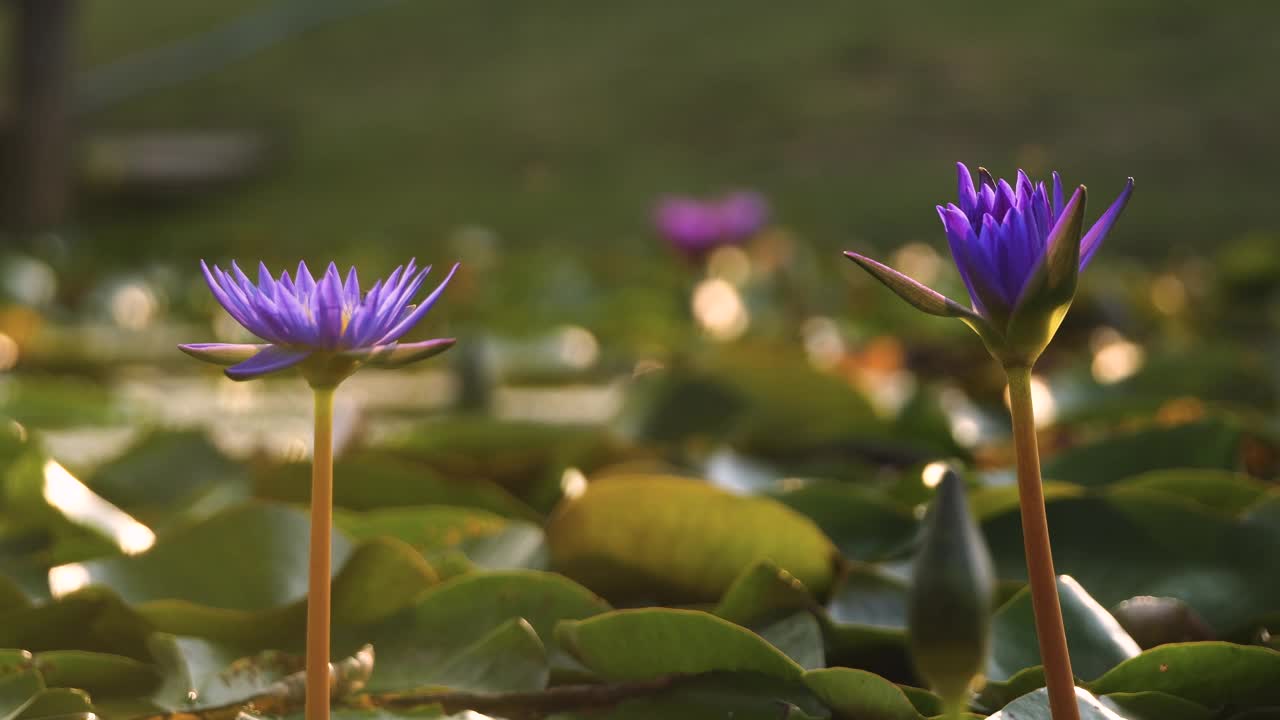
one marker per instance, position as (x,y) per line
(317,696)
(1035,538)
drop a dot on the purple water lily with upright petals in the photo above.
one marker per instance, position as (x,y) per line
(1019,249)
(327,325)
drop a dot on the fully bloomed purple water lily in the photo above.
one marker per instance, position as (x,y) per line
(1019,249)
(328,327)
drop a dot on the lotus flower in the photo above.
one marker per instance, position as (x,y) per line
(1019,249)
(695,227)
(326,326)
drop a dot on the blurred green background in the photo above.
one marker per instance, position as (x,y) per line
(555,124)
(531,140)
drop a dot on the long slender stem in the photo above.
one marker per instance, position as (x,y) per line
(317,698)
(1035,539)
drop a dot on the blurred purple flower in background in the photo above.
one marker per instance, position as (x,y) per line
(695,227)
(327,323)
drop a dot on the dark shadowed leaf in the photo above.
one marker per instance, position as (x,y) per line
(461,612)
(1097,641)
(368,480)
(1212,444)
(1126,542)
(863,523)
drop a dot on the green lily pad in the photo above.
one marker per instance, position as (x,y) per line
(652,642)
(381,577)
(511,658)
(63,703)
(1035,706)
(1155,706)
(1212,444)
(863,523)
(1126,542)
(1212,674)
(1228,492)
(12,596)
(515,455)
(143,483)
(860,694)
(200,673)
(248,558)
(92,619)
(990,501)
(799,636)
(740,696)
(427,528)
(763,592)
(17,689)
(866,622)
(1097,641)
(96,673)
(460,612)
(680,539)
(369,480)
(995,694)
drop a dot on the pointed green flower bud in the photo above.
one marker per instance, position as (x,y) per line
(949,606)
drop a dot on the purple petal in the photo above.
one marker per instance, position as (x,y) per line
(968,196)
(1005,199)
(351,288)
(398,354)
(362,315)
(231,306)
(1023,189)
(1057,196)
(305,282)
(232,297)
(326,307)
(269,360)
(221,353)
(393,308)
(1092,240)
(964,251)
(266,283)
(412,319)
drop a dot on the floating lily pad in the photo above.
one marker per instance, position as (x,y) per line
(1212,674)
(369,480)
(1212,444)
(652,642)
(458,613)
(860,694)
(863,523)
(680,539)
(1126,542)
(1097,641)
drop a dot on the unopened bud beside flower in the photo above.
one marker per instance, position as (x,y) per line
(949,606)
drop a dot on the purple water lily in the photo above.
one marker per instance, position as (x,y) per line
(1019,249)
(696,227)
(327,325)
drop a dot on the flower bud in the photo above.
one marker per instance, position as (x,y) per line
(949,606)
